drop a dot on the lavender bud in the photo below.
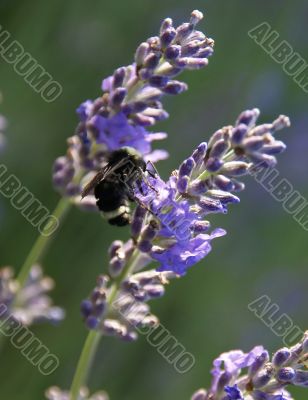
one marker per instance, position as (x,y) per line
(136,226)
(86,307)
(141,53)
(305,342)
(219,149)
(154,291)
(211,205)
(145,246)
(198,187)
(172,52)
(196,17)
(213,164)
(187,167)
(116,265)
(237,186)
(258,363)
(223,183)
(260,130)
(281,122)
(296,352)
(102,281)
(263,160)
(200,152)
(175,87)
(156,113)
(263,377)
(73,189)
(151,61)
(301,378)
(158,81)
(135,107)
(205,53)
(235,168)
(248,117)
(130,336)
(223,197)
(149,93)
(281,356)
(114,247)
(182,184)
(113,327)
(117,97)
(190,48)
(192,63)
(286,374)
(99,308)
(143,120)
(145,74)
(276,148)
(200,226)
(150,231)
(166,38)
(223,380)
(253,143)
(199,395)
(118,77)
(166,24)
(92,322)
(238,134)
(183,31)
(59,164)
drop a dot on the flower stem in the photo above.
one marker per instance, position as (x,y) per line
(87,354)
(84,363)
(42,242)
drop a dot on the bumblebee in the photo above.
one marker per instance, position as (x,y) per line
(113,185)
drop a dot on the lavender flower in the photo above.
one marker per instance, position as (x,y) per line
(263,379)
(29,304)
(55,393)
(131,101)
(129,311)
(169,227)
(204,184)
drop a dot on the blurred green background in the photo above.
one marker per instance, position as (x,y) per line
(265,252)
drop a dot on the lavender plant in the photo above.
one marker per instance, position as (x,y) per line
(264,378)
(28,304)
(170,226)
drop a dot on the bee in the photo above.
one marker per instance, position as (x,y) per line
(114,184)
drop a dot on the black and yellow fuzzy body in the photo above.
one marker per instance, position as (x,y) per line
(113,185)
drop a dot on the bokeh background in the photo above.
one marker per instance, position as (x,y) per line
(265,252)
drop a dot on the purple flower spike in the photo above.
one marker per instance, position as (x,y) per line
(253,376)
(130,103)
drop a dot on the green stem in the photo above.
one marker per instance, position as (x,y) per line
(84,363)
(41,244)
(87,355)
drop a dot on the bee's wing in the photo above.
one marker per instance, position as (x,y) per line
(101,175)
(93,182)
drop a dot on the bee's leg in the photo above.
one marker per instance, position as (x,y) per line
(147,182)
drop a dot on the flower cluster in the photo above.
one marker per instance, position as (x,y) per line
(169,225)
(203,184)
(263,379)
(131,101)
(55,393)
(29,304)
(129,311)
